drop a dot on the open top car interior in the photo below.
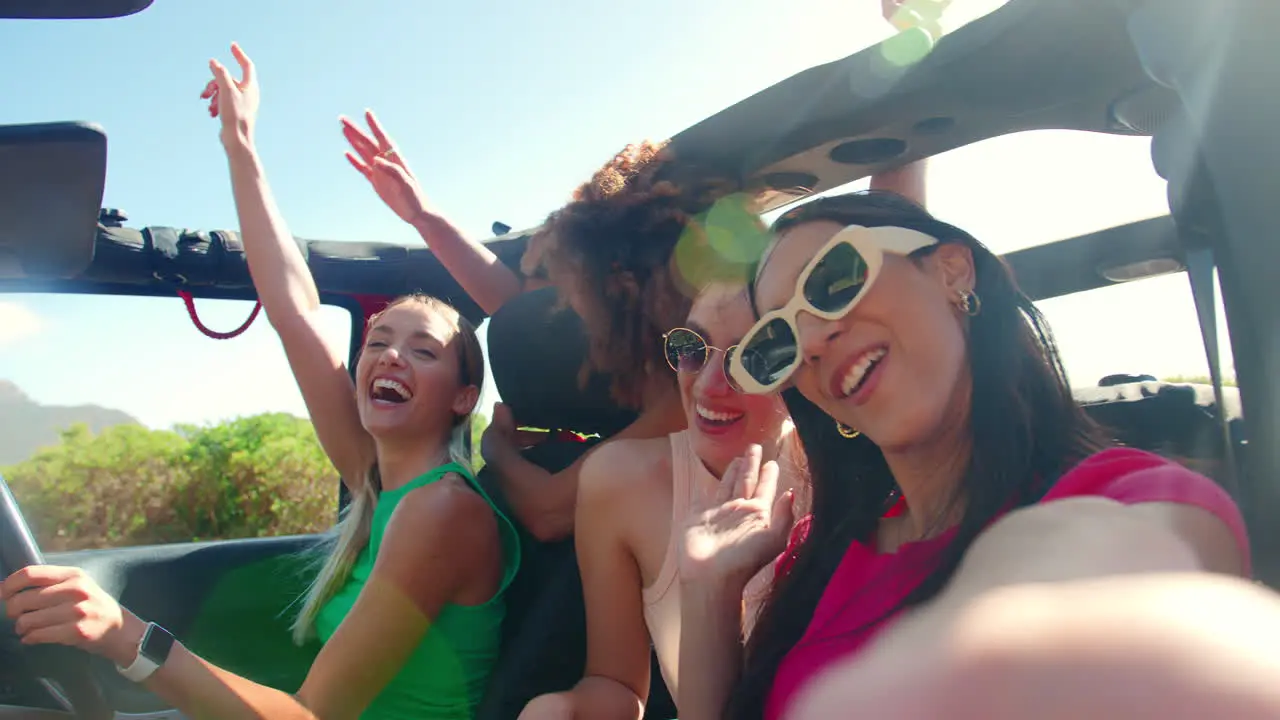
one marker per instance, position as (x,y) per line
(1197,77)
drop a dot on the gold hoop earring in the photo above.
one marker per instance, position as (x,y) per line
(846,431)
(969,303)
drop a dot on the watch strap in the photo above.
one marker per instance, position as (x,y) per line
(152,652)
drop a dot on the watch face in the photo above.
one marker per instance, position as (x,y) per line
(157,644)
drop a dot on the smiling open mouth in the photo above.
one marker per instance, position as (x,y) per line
(858,373)
(389,391)
(717,417)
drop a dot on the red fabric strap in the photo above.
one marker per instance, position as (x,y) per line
(195,318)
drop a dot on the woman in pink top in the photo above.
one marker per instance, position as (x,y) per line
(950,467)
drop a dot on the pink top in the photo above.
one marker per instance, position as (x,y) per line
(866,585)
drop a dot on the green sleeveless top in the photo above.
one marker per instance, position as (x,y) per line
(446,675)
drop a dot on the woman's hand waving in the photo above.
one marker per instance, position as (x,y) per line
(379,161)
(741,528)
(234,101)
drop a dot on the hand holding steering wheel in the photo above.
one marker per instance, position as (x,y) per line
(70,668)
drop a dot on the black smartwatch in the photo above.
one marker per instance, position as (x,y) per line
(152,652)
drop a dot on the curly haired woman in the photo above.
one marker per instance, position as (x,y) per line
(613,251)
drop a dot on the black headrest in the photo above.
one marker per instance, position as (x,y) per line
(536,350)
(1160,416)
(1124,378)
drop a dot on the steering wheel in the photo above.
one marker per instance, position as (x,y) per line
(71,668)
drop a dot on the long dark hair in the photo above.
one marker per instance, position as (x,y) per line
(1026,430)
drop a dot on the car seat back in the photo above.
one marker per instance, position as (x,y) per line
(536,352)
(1176,420)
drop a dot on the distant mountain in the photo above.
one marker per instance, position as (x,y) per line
(26,425)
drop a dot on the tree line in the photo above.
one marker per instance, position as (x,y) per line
(258,476)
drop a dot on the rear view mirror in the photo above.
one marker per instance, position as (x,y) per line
(70,9)
(52,177)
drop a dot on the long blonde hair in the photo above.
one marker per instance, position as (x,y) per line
(350,536)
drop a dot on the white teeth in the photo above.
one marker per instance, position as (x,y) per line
(715,416)
(393,386)
(859,370)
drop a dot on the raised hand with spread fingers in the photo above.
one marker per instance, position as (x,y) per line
(741,528)
(376,157)
(234,101)
(729,538)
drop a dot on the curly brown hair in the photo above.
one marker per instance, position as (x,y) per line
(632,248)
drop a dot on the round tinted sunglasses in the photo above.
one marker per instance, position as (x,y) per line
(833,282)
(687,352)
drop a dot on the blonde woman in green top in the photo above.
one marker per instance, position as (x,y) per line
(408,603)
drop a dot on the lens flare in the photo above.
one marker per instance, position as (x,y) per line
(919,29)
(720,245)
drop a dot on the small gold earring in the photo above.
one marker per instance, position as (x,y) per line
(969,303)
(846,431)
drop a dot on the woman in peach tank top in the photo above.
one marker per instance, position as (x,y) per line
(636,494)
(692,485)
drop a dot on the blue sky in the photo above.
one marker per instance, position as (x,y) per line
(501,107)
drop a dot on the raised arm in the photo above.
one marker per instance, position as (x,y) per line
(283,280)
(616,683)
(542,501)
(907,181)
(420,567)
(480,273)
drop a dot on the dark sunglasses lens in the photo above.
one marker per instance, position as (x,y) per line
(769,353)
(837,279)
(686,351)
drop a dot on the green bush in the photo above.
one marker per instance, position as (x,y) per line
(258,476)
(252,477)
